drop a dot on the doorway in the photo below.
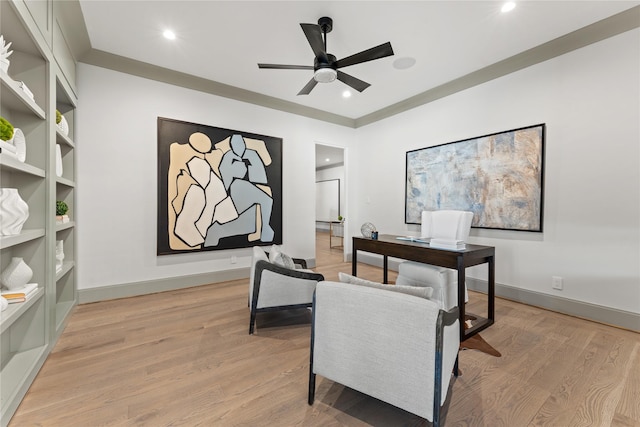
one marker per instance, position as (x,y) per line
(330,197)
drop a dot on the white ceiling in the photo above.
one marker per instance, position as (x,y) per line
(223,41)
(327,156)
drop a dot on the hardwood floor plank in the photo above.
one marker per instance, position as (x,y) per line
(185,358)
(628,407)
(606,388)
(574,400)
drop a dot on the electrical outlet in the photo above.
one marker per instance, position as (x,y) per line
(234,259)
(556,282)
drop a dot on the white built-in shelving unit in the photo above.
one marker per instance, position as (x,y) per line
(29,330)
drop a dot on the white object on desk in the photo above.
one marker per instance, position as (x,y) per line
(447,244)
(414,239)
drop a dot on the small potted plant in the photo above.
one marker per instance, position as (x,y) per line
(6,130)
(12,141)
(61,123)
(6,137)
(61,212)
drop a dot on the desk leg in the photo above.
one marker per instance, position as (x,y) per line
(354,262)
(385,266)
(461,303)
(492,290)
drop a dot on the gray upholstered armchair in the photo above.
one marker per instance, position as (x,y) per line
(398,348)
(282,283)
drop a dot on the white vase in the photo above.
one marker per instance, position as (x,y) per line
(21,144)
(3,303)
(58,160)
(8,148)
(17,274)
(63,126)
(13,212)
(59,255)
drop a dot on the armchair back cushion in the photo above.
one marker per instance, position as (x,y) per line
(278,290)
(422,291)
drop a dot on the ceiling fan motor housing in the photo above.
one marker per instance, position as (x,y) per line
(325,72)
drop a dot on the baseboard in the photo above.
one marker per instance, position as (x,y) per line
(594,312)
(584,310)
(125,290)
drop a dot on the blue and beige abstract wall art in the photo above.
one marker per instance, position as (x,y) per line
(217,188)
(499,177)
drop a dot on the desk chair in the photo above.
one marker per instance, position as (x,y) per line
(444,224)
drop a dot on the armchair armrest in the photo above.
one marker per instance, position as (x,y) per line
(301,262)
(276,287)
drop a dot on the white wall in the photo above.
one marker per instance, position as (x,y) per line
(117,174)
(589,100)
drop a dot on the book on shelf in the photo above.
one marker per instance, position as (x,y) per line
(20,294)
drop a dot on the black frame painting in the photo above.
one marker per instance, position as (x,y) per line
(217,188)
(499,177)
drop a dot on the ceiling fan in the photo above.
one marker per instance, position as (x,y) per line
(325,66)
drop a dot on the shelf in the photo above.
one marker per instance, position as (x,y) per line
(63,139)
(24,236)
(21,365)
(65,226)
(14,164)
(14,311)
(16,99)
(65,181)
(66,267)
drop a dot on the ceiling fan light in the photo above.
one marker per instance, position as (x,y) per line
(325,75)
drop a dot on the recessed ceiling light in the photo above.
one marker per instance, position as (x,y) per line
(508,6)
(327,159)
(168,34)
(346,94)
(404,63)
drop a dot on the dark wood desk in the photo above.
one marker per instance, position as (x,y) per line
(389,246)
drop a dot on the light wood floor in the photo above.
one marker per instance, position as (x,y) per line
(184,358)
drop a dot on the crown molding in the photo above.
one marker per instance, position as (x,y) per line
(142,69)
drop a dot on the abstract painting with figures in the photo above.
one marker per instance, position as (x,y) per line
(217,188)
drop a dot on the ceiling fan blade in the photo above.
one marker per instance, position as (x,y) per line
(308,87)
(314,36)
(285,67)
(377,52)
(357,84)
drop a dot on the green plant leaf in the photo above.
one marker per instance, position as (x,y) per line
(61,208)
(6,129)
